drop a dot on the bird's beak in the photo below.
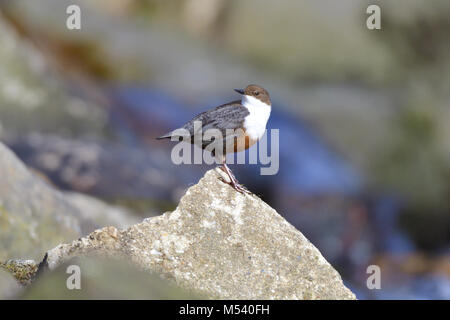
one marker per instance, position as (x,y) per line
(240,91)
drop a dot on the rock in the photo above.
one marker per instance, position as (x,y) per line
(101,168)
(91,208)
(99,280)
(219,242)
(9,287)
(33,97)
(23,270)
(34,216)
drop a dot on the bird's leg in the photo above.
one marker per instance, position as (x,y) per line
(233,181)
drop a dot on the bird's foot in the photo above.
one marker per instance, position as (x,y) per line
(236,186)
(233,181)
(240,188)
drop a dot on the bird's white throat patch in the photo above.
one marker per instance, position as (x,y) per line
(255,122)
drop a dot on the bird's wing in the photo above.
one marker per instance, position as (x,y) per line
(228,116)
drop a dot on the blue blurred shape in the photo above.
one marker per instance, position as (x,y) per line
(307,162)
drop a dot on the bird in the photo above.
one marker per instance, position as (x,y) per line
(241,124)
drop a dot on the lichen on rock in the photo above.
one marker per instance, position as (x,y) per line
(22,270)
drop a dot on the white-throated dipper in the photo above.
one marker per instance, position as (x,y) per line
(241,124)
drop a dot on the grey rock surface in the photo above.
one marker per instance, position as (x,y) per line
(221,243)
(93,209)
(34,216)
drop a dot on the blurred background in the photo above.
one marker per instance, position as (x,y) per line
(367,111)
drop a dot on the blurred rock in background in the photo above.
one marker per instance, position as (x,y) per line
(34,216)
(99,280)
(9,287)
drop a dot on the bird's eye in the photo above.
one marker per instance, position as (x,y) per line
(256,93)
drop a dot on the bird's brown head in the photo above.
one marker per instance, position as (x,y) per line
(255,91)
